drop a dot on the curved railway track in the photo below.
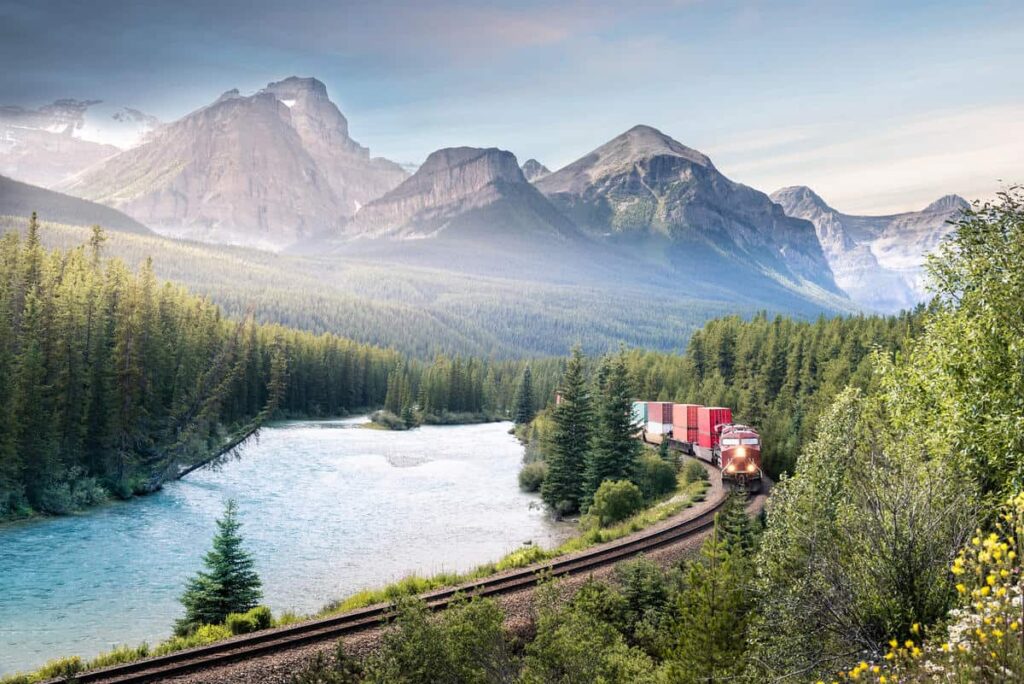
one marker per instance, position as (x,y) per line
(285,638)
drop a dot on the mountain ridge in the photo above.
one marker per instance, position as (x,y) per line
(267,169)
(877,260)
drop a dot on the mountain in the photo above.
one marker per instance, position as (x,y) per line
(533,170)
(45,146)
(21,199)
(463,193)
(643,188)
(877,260)
(264,170)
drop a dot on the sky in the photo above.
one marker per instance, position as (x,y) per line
(878,106)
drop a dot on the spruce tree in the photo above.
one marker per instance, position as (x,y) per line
(569,441)
(712,616)
(229,584)
(735,527)
(615,448)
(524,399)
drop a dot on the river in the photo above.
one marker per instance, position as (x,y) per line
(328,508)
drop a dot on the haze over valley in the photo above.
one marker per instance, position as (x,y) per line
(642,231)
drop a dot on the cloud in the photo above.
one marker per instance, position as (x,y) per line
(894,165)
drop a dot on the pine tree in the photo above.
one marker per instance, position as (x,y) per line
(735,527)
(408,416)
(615,449)
(712,612)
(229,584)
(569,441)
(525,410)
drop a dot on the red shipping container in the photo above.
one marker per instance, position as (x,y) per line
(684,422)
(708,418)
(659,412)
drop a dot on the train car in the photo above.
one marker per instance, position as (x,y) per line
(739,455)
(659,418)
(710,419)
(684,423)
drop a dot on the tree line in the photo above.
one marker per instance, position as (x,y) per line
(776,373)
(111,382)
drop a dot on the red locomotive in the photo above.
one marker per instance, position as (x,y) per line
(708,433)
(739,455)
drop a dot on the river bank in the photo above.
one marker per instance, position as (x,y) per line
(327,510)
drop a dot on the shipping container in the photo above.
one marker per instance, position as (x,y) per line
(684,422)
(708,419)
(639,413)
(659,412)
(659,428)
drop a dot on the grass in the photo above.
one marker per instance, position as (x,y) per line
(686,494)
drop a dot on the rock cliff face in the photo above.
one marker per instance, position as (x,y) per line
(265,170)
(877,260)
(533,170)
(462,191)
(353,175)
(645,184)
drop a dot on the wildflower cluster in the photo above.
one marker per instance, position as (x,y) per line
(983,640)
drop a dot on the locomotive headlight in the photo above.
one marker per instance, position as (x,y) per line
(742,452)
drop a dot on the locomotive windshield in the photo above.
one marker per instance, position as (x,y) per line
(736,441)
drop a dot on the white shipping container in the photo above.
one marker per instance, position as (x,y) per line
(659,428)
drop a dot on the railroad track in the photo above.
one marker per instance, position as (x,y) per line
(285,638)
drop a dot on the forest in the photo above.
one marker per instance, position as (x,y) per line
(419,311)
(112,382)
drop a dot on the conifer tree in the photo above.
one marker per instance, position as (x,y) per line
(525,410)
(713,616)
(615,449)
(735,527)
(229,583)
(569,441)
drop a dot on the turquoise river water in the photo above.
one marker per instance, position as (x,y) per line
(328,508)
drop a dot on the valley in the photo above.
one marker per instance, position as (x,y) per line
(511,343)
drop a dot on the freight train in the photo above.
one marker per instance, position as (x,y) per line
(708,433)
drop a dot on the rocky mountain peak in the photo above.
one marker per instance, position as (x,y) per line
(799,195)
(267,169)
(293,85)
(493,164)
(877,260)
(642,141)
(948,203)
(534,170)
(232,94)
(466,191)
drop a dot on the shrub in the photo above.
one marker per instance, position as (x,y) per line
(694,471)
(532,476)
(205,634)
(256,619)
(616,501)
(388,420)
(65,668)
(655,477)
(120,654)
